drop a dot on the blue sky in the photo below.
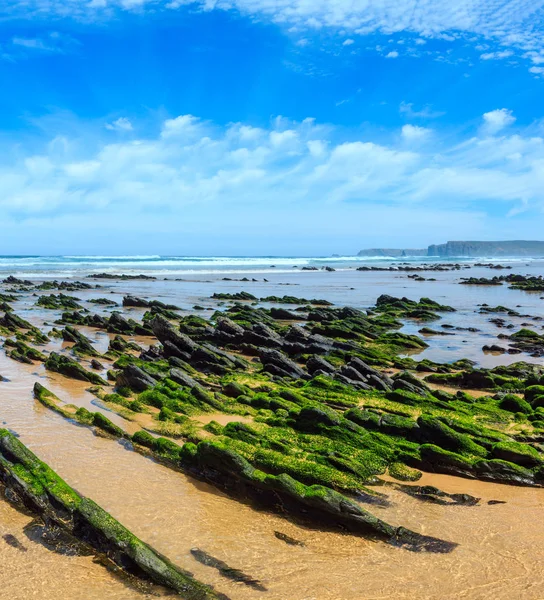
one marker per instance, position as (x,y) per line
(268,126)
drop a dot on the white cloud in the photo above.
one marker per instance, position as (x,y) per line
(505,24)
(536,58)
(496,120)
(194,178)
(392,54)
(317,147)
(414,133)
(348,42)
(120,124)
(296,167)
(34,43)
(51,42)
(496,55)
(427,112)
(183,126)
(283,138)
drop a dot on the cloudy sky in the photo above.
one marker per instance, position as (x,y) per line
(243,127)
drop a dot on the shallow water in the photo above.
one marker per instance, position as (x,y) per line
(500,546)
(344,287)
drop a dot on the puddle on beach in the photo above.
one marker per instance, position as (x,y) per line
(500,546)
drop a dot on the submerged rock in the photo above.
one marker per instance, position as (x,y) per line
(12,541)
(429,493)
(288,539)
(228,572)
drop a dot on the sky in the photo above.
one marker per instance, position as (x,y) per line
(268,127)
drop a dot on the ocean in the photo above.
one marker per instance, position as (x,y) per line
(74,266)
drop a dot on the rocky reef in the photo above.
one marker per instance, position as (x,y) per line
(323,402)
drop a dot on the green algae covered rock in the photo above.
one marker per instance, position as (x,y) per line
(49,400)
(84,416)
(434,431)
(532,392)
(403,473)
(519,454)
(23,352)
(71,368)
(513,404)
(81,415)
(434,458)
(219,463)
(102,422)
(163,447)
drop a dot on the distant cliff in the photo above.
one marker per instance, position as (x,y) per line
(394,252)
(489,249)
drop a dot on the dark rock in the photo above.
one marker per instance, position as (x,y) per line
(503,472)
(117,323)
(228,572)
(152,354)
(281,314)
(494,349)
(164,331)
(360,385)
(288,539)
(182,378)
(429,493)
(276,363)
(228,331)
(134,378)
(401,384)
(135,302)
(316,363)
(170,350)
(12,541)
(352,374)
(263,336)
